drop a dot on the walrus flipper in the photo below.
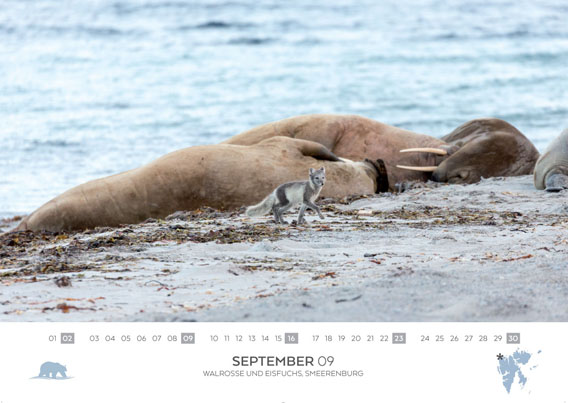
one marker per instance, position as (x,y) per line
(316,150)
(305,147)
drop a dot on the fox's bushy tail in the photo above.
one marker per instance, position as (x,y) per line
(263,207)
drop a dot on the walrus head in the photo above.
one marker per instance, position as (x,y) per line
(482,148)
(483,157)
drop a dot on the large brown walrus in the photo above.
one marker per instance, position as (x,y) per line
(221,176)
(551,170)
(479,148)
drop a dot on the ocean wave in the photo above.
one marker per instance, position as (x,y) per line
(520,33)
(212,25)
(222,24)
(7,29)
(542,115)
(308,41)
(124,8)
(43,144)
(60,30)
(250,41)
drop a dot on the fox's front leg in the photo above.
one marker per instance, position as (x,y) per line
(301,214)
(315,208)
(277,217)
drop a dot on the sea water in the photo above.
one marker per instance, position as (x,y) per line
(91,88)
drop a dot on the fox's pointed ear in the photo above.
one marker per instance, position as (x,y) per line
(322,169)
(311,171)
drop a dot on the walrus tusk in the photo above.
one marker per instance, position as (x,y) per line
(421,169)
(438,151)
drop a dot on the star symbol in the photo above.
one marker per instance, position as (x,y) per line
(500,356)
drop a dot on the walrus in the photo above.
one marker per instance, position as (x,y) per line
(354,137)
(222,176)
(484,147)
(551,170)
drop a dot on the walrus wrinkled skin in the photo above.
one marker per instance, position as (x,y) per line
(551,170)
(479,148)
(221,176)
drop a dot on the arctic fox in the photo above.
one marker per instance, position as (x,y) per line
(290,194)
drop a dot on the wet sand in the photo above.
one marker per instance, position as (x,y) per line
(492,251)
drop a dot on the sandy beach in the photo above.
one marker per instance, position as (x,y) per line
(492,251)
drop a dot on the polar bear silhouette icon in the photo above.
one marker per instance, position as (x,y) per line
(51,369)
